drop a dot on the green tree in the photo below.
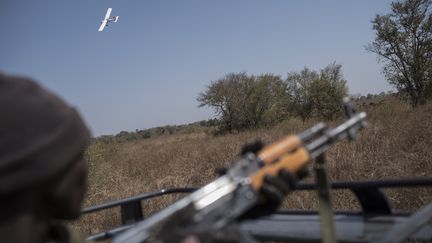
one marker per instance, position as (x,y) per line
(299,87)
(403,42)
(244,101)
(228,96)
(267,104)
(328,91)
(317,94)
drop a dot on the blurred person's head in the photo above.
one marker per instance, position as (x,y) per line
(42,141)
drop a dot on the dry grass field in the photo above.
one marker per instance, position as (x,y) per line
(396,144)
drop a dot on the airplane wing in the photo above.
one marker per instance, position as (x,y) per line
(108,13)
(103,24)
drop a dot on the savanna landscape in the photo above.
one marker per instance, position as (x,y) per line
(248,107)
(172,93)
(396,144)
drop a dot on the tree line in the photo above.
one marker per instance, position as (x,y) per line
(138,134)
(403,43)
(243,101)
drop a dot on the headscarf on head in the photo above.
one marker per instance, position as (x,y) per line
(40,134)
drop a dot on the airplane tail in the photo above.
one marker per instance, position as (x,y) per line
(116,18)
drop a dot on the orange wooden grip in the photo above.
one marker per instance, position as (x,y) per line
(292,162)
(274,151)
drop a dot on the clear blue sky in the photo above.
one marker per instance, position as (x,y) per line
(147,69)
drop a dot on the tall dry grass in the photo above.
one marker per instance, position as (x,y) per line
(396,144)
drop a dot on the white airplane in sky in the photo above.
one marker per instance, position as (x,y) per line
(107,19)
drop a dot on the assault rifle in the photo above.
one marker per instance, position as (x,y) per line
(214,207)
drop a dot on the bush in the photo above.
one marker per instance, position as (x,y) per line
(314,94)
(244,101)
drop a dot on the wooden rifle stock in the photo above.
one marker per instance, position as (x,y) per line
(274,151)
(292,162)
